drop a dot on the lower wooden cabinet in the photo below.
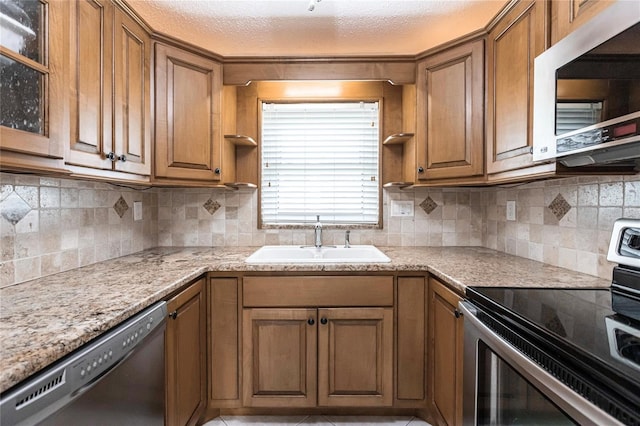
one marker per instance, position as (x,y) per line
(185,356)
(411,339)
(327,357)
(445,354)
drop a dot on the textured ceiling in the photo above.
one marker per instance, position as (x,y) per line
(334,28)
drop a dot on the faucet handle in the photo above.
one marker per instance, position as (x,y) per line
(347,244)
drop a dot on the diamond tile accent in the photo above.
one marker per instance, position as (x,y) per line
(14,208)
(211,206)
(428,205)
(559,207)
(121,206)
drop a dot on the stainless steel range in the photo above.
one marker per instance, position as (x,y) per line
(557,355)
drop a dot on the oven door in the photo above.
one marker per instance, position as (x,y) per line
(502,386)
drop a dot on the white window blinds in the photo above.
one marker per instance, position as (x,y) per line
(576,115)
(320,159)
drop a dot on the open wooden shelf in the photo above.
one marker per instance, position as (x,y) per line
(397,138)
(241,140)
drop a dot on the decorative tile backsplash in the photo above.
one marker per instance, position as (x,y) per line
(49,225)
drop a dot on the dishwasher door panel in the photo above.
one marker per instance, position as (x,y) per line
(131,394)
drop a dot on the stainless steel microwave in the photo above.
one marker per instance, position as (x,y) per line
(587,92)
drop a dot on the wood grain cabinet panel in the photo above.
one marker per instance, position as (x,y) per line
(224,340)
(450,96)
(355,357)
(91,83)
(568,15)
(512,46)
(279,357)
(188,115)
(445,354)
(411,338)
(132,100)
(110,101)
(186,356)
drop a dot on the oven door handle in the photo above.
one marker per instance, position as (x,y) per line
(577,407)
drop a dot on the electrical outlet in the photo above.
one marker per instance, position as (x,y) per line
(137,210)
(511,210)
(401,208)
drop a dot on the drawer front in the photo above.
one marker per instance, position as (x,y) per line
(318,291)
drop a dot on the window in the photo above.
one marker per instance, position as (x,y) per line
(576,115)
(320,159)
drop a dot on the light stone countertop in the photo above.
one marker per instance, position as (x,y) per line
(47,318)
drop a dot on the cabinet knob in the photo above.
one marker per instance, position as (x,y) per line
(111,156)
(457,313)
(173,315)
(323,321)
(311,321)
(217,170)
(122,158)
(420,169)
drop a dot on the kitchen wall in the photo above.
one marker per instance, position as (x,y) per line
(563,222)
(49,225)
(214,217)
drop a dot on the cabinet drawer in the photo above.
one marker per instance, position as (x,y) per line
(318,291)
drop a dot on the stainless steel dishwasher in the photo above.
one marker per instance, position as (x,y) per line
(116,379)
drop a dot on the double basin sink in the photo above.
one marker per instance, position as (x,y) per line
(324,254)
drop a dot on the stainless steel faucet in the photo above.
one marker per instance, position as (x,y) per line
(318,232)
(347,243)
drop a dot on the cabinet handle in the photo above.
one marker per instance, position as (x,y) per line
(122,158)
(111,156)
(457,313)
(420,169)
(311,321)
(173,315)
(217,170)
(323,321)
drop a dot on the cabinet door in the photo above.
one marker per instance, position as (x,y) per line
(512,46)
(445,353)
(450,93)
(570,14)
(188,133)
(224,350)
(411,341)
(132,97)
(279,352)
(33,82)
(185,356)
(355,350)
(91,76)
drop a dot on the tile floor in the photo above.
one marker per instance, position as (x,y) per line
(327,420)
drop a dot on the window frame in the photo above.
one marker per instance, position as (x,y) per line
(342,99)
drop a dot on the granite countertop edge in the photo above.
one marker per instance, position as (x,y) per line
(76,306)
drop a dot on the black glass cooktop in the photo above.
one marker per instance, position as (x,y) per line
(577,327)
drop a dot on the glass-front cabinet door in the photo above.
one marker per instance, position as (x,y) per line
(32,74)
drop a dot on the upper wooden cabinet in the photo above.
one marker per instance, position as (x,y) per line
(109,103)
(450,101)
(188,136)
(570,14)
(512,46)
(33,88)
